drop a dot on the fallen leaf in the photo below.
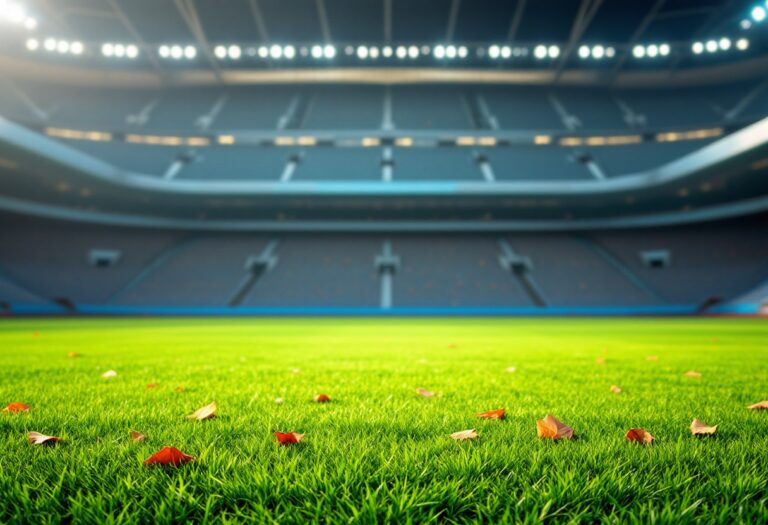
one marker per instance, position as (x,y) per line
(138,437)
(35,334)
(423,392)
(551,428)
(600,360)
(168,456)
(296,370)
(179,389)
(321,398)
(652,358)
(150,386)
(762,405)
(73,355)
(465,434)
(206,412)
(288,438)
(692,373)
(36,438)
(452,345)
(16,407)
(699,428)
(640,435)
(279,400)
(510,369)
(109,373)
(616,389)
(492,414)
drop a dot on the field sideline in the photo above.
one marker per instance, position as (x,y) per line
(378,452)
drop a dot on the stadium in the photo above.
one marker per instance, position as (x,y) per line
(384,261)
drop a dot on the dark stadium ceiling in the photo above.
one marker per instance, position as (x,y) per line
(555,34)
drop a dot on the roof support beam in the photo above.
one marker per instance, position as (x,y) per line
(635,38)
(131,28)
(453,17)
(388,21)
(517,18)
(322,15)
(587,11)
(192,18)
(258,19)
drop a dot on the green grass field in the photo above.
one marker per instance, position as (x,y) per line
(378,452)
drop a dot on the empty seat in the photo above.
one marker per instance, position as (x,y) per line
(536,163)
(340,164)
(237,163)
(435,164)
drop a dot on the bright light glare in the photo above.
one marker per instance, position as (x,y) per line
(235,52)
(742,44)
(540,52)
(494,52)
(697,48)
(329,51)
(289,52)
(317,52)
(76,48)
(190,52)
(220,52)
(584,51)
(725,44)
(758,13)
(33,44)
(598,52)
(276,51)
(638,51)
(711,46)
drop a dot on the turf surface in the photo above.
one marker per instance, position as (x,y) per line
(378,452)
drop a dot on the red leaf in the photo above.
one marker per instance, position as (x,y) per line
(16,407)
(150,386)
(36,438)
(288,438)
(322,398)
(168,456)
(492,414)
(639,435)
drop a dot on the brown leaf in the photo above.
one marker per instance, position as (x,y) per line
(699,428)
(423,392)
(73,355)
(168,456)
(288,438)
(692,373)
(16,407)
(492,414)
(36,438)
(150,386)
(465,434)
(640,435)
(138,437)
(321,398)
(551,428)
(206,412)
(762,405)
(179,389)
(616,389)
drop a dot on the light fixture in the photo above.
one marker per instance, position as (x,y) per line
(463,51)
(652,51)
(506,52)
(494,52)
(289,52)
(177,52)
(373,52)
(540,52)
(401,52)
(725,44)
(450,51)
(439,52)
(190,52)
(664,50)
(164,51)
(275,51)
(33,44)
(584,51)
(362,52)
(76,48)
(742,44)
(220,52)
(638,51)
(598,52)
(553,51)
(758,13)
(49,44)
(413,52)
(317,52)
(697,48)
(131,51)
(711,46)
(263,51)
(387,51)
(329,51)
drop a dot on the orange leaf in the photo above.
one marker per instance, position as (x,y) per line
(36,438)
(423,392)
(692,373)
(616,389)
(288,438)
(73,355)
(168,456)
(492,414)
(321,398)
(600,360)
(762,405)
(206,412)
(640,435)
(16,407)
(150,386)
(138,437)
(465,434)
(699,428)
(551,428)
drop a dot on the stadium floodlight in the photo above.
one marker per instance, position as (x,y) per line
(553,51)
(652,51)
(439,52)
(49,44)
(506,52)
(540,52)
(463,51)
(598,52)
(30,23)
(697,48)
(401,52)
(413,52)
(362,52)
(584,51)
(220,52)
(745,24)
(638,51)
(177,52)
(76,48)
(665,50)
(190,52)
(494,52)
(164,51)
(120,50)
(758,13)
(450,51)
(329,51)
(62,46)
(387,51)
(317,52)
(33,44)
(610,52)
(276,51)
(132,51)
(725,44)
(289,52)
(234,52)
(263,51)
(742,44)
(373,52)
(711,46)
